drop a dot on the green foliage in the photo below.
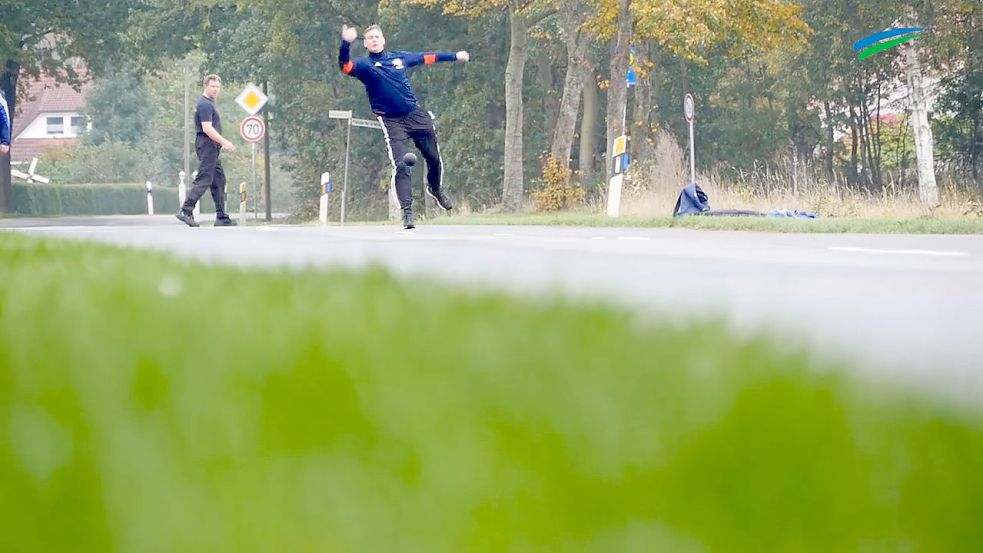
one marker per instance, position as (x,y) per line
(110,161)
(543,426)
(118,109)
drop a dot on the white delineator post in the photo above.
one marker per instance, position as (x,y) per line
(150,198)
(194,175)
(242,203)
(325,189)
(619,162)
(182,189)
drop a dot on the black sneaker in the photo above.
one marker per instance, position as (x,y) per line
(225,222)
(441,198)
(187,218)
(408,221)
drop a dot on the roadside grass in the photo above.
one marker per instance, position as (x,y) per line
(912,225)
(152,404)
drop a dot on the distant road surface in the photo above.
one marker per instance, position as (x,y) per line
(907,306)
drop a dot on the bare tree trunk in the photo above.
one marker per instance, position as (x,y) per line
(974,151)
(8,83)
(924,150)
(878,145)
(852,177)
(512,186)
(642,140)
(573,15)
(866,140)
(544,80)
(588,127)
(618,88)
(829,140)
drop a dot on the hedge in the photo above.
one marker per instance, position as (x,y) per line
(95,199)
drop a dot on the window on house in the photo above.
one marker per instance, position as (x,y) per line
(78,124)
(56,125)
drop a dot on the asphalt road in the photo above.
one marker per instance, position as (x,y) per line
(902,307)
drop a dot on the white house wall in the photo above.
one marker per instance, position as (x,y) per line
(39,127)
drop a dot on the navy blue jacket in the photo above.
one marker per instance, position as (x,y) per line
(384,76)
(4,121)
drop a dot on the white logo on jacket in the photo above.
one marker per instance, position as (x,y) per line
(398,63)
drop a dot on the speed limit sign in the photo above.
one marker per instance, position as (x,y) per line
(252,129)
(689,107)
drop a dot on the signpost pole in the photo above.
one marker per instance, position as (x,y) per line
(255,185)
(344,188)
(252,129)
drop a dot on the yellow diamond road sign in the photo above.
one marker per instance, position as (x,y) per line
(252,99)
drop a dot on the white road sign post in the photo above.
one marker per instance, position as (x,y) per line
(242,203)
(252,130)
(325,189)
(619,164)
(182,190)
(689,110)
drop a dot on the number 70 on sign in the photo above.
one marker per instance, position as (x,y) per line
(252,129)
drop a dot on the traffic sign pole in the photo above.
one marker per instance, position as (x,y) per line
(252,99)
(344,187)
(252,130)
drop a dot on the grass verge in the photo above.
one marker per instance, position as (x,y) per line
(915,225)
(148,404)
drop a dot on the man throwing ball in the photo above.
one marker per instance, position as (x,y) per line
(392,99)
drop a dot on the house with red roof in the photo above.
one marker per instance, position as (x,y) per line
(49,117)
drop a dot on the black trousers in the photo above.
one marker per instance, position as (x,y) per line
(419,127)
(210,176)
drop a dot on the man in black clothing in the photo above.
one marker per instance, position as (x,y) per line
(208,143)
(392,99)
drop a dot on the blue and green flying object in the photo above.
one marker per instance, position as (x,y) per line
(883,40)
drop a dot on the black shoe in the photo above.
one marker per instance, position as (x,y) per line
(408,221)
(441,198)
(225,222)
(187,218)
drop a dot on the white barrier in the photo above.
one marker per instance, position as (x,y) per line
(150,198)
(242,203)
(182,190)
(194,175)
(325,189)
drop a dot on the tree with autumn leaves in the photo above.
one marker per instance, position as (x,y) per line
(685,28)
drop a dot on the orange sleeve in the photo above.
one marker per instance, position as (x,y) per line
(429,59)
(348,68)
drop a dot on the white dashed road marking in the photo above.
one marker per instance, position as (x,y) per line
(896,252)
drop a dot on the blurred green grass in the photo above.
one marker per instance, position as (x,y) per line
(151,404)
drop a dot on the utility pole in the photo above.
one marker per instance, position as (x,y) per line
(187,113)
(266,153)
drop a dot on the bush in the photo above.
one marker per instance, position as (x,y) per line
(557,191)
(109,162)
